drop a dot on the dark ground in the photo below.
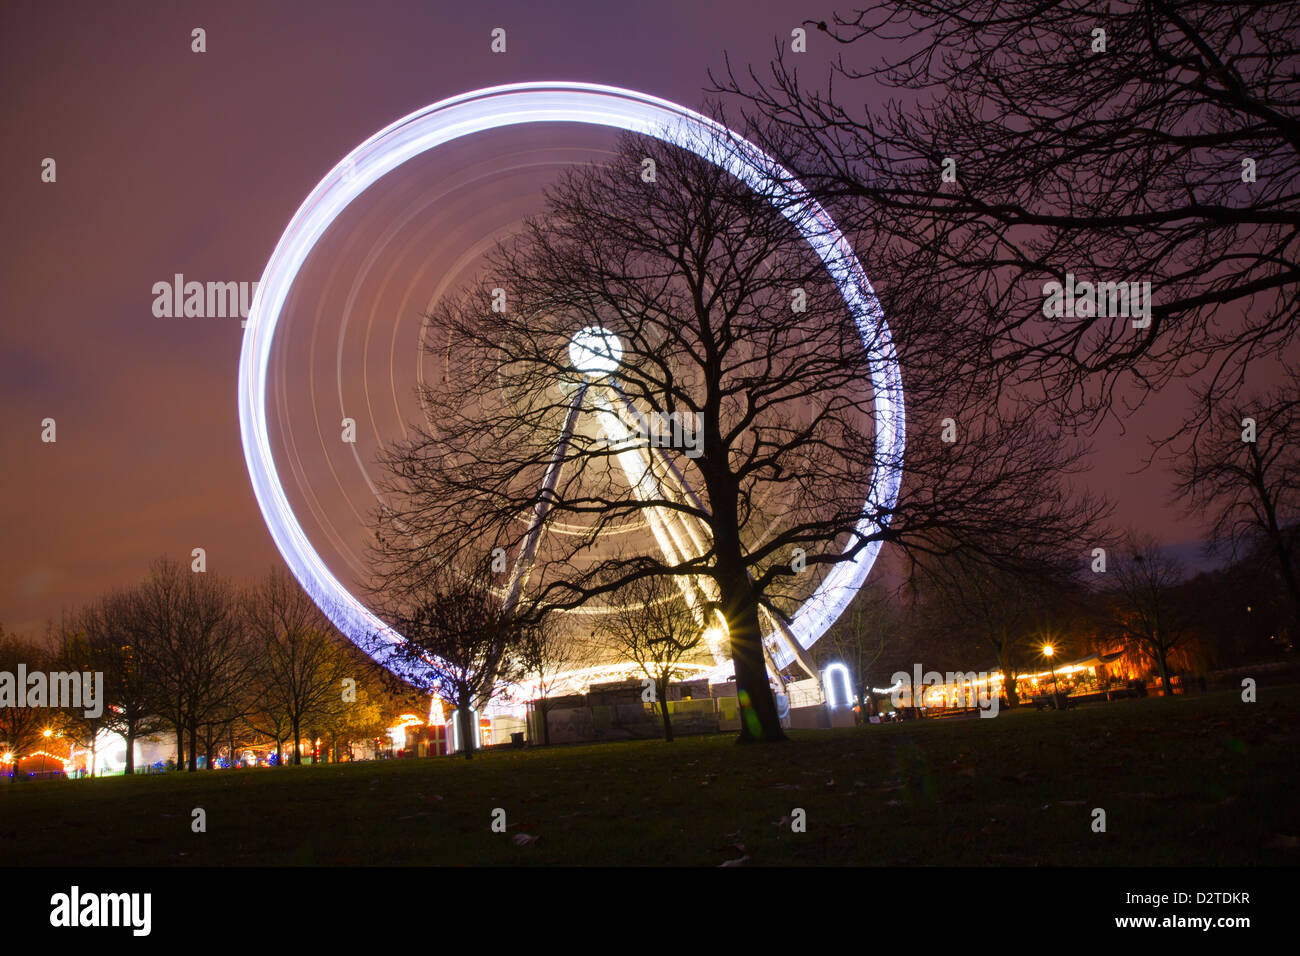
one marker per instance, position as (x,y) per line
(1199,780)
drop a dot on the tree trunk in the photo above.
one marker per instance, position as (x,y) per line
(180,747)
(758,717)
(129,769)
(194,747)
(1164,671)
(546,723)
(1009,680)
(467,736)
(297,742)
(663,709)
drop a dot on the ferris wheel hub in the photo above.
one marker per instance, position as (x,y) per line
(594,350)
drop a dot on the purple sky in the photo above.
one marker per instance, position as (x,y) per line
(176,162)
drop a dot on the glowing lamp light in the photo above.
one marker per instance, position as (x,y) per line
(828,678)
(1048,650)
(560,102)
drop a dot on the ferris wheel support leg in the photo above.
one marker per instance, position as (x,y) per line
(801,655)
(672,539)
(524,566)
(773,672)
(779,627)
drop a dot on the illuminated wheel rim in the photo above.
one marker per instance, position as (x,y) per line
(592,104)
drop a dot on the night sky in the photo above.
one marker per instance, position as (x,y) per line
(174,162)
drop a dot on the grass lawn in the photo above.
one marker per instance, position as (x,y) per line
(1197,780)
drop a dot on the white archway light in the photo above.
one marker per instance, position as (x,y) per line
(828,679)
(560,102)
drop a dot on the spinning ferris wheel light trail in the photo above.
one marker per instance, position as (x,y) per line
(591,349)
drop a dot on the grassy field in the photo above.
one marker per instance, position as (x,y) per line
(1197,780)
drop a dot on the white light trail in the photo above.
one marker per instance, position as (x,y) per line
(558,102)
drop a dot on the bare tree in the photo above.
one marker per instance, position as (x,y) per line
(360,718)
(1242,472)
(112,627)
(1003,607)
(1147,606)
(270,721)
(459,639)
(77,654)
(690,300)
(195,648)
(21,728)
(654,626)
(1015,142)
(302,664)
(544,652)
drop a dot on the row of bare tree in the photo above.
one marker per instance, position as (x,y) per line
(962,616)
(217,665)
(983,150)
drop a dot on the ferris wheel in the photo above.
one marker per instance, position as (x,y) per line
(595,354)
(651,475)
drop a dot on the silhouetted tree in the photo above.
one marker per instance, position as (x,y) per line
(988,147)
(194,648)
(654,626)
(301,662)
(21,728)
(711,311)
(1242,472)
(115,634)
(459,639)
(1147,609)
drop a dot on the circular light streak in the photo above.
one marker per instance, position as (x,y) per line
(559,102)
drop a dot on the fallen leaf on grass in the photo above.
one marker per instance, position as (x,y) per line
(741,862)
(524,839)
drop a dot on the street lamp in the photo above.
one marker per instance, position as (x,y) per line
(1048,651)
